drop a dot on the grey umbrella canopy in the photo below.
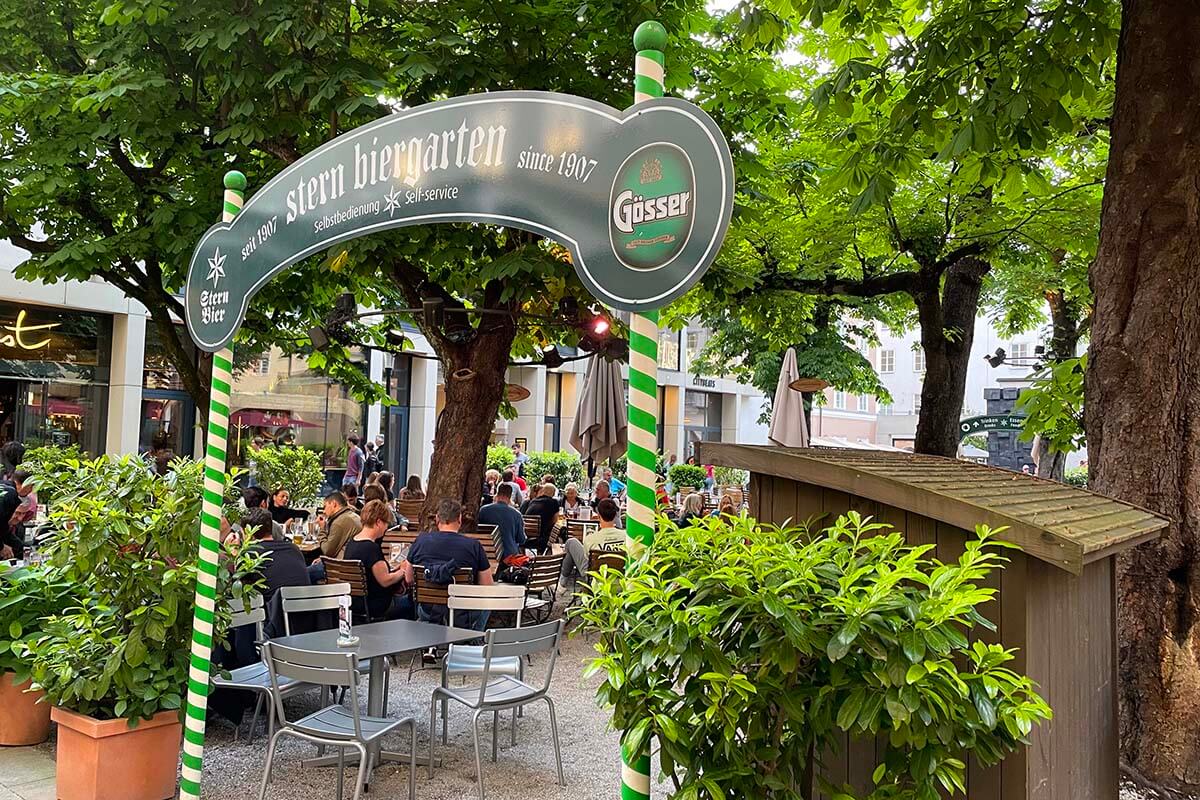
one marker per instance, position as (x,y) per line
(788,427)
(601,427)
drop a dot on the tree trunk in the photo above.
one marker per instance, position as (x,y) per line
(474,389)
(947,321)
(1065,329)
(1143,378)
(195,371)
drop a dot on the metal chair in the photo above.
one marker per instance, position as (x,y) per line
(463,659)
(253,677)
(322,597)
(543,578)
(505,692)
(335,725)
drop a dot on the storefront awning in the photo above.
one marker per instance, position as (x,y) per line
(253,418)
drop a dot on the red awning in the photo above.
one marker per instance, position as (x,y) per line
(64,407)
(253,418)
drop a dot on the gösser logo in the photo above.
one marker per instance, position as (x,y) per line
(651,201)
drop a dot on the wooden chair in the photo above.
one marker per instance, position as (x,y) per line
(405,536)
(578,527)
(488,541)
(543,580)
(533,526)
(434,595)
(341,570)
(605,558)
(411,510)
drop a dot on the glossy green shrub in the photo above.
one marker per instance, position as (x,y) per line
(738,650)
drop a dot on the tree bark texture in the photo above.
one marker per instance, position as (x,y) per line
(474,390)
(947,319)
(1143,378)
(1065,329)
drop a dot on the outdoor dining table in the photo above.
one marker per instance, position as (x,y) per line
(377,641)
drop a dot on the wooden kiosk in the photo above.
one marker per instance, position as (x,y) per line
(1056,602)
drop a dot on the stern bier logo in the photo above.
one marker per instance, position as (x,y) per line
(651,207)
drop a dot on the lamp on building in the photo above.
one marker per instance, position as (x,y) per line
(997,358)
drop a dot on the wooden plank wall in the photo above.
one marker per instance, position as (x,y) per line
(779,499)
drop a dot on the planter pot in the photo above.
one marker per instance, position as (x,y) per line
(23,720)
(108,760)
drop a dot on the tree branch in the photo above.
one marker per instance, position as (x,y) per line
(867,287)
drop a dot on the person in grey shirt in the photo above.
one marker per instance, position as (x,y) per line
(518,497)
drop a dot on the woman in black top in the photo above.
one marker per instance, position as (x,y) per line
(386,595)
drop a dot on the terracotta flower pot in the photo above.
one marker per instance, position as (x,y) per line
(108,760)
(23,720)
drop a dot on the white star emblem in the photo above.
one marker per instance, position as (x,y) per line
(216,267)
(391,201)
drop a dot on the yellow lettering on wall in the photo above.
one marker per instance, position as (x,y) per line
(16,334)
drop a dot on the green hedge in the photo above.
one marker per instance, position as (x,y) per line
(296,469)
(565,467)
(687,475)
(1077,477)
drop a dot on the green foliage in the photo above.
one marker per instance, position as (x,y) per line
(565,467)
(739,650)
(730,476)
(682,475)
(1053,405)
(128,548)
(1077,477)
(977,440)
(296,469)
(26,596)
(499,457)
(51,469)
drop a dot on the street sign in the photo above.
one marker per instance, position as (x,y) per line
(993,422)
(641,198)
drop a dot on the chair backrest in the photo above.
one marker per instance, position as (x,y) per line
(344,570)
(533,526)
(578,527)
(407,537)
(256,616)
(411,510)
(544,572)
(314,667)
(487,542)
(519,643)
(606,558)
(321,597)
(432,594)
(496,597)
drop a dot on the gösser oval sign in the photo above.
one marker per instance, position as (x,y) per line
(641,198)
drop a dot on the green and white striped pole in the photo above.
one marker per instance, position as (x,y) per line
(650,38)
(210,533)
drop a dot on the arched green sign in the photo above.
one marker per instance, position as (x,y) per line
(992,422)
(641,197)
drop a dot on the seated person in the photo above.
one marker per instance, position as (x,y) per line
(615,485)
(373,491)
(545,506)
(352,498)
(387,595)
(446,546)
(571,501)
(607,537)
(342,524)
(601,492)
(508,521)
(280,511)
(256,497)
(283,564)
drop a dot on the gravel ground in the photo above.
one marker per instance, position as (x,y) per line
(591,760)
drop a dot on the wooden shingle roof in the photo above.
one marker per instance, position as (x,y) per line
(1056,523)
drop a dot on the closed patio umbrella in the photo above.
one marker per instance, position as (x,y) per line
(601,426)
(788,427)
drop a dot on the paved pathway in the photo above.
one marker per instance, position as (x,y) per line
(26,773)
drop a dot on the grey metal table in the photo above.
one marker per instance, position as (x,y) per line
(376,642)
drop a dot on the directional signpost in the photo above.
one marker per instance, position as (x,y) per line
(993,422)
(641,198)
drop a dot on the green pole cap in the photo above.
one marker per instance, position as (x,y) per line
(235,180)
(650,35)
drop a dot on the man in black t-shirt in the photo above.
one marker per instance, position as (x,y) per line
(447,546)
(284,564)
(546,507)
